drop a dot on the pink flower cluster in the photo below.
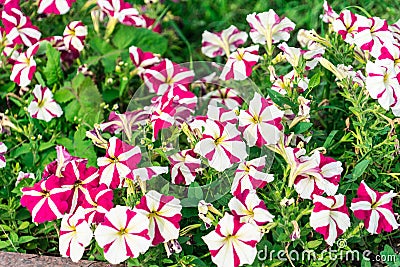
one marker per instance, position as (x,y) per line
(83,196)
(378,42)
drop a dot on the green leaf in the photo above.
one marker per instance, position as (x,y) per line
(329,139)
(280,100)
(365,262)
(390,257)
(315,80)
(360,168)
(23,225)
(314,243)
(63,95)
(4,244)
(146,39)
(26,239)
(302,127)
(53,71)
(86,106)
(84,148)
(195,191)
(72,110)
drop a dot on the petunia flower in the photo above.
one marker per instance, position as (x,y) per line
(250,208)
(46,200)
(261,123)
(57,166)
(163,113)
(3,150)
(240,63)
(127,122)
(164,76)
(233,243)
(347,25)
(24,67)
(98,201)
(329,14)
(330,217)
(19,28)
(80,180)
(122,11)
(183,166)
(43,106)
(250,175)
(371,34)
(22,175)
(74,36)
(222,43)
(221,145)
(142,60)
(58,7)
(164,213)
(375,209)
(118,163)
(123,234)
(294,56)
(314,175)
(225,96)
(267,28)
(382,82)
(75,235)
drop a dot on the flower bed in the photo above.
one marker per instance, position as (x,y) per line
(278,147)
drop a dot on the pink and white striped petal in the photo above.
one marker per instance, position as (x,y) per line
(330,217)
(58,7)
(221,144)
(233,243)
(75,235)
(164,213)
(123,234)
(222,43)
(250,208)
(240,63)
(43,106)
(375,209)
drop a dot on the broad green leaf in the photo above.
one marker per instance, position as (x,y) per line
(53,71)
(87,104)
(147,40)
(84,148)
(195,191)
(63,95)
(390,257)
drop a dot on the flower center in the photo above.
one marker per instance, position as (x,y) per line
(240,55)
(256,119)
(122,231)
(46,193)
(386,77)
(114,159)
(219,140)
(41,103)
